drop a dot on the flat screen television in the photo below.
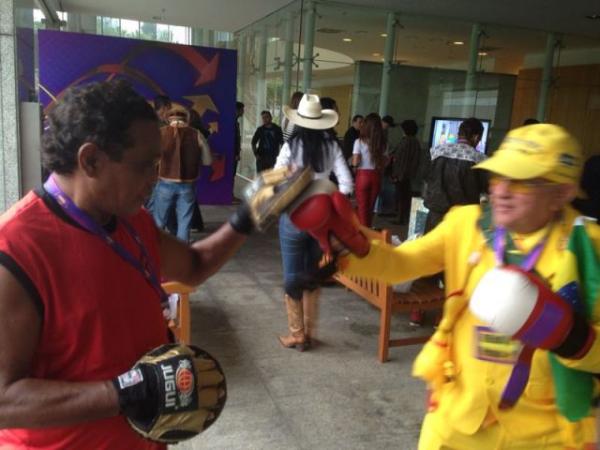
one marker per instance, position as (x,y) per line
(445,129)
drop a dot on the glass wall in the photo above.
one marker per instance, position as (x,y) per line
(341,39)
(268,72)
(439,67)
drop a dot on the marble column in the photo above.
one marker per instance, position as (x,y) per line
(10,172)
(310,17)
(552,42)
(388,63)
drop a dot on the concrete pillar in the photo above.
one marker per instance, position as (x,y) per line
(261,79)
(471,81)
(310,17)
(148,31)
(552,42)
(79,23)
(242,45)
(10,170)
(197,36)
(209,38)
(230,43)
(241,66)
(288,61)
(388,62)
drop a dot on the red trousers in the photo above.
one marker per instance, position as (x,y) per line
(368,184)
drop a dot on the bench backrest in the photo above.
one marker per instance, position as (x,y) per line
(374,291)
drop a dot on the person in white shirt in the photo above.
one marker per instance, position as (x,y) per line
(368,158)
(309,146)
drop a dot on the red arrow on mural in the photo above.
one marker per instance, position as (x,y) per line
(218,168)
(207,69)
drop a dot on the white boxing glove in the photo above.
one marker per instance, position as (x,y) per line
(518,303)
(504,299)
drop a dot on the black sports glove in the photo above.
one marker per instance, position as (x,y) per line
(241,219)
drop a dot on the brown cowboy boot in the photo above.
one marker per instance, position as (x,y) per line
(296,338)
(310,303)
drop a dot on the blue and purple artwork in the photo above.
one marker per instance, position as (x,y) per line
(199,77)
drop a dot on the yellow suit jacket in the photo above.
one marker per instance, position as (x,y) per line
(458,247)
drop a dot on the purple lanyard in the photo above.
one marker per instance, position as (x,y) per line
(530,259)
(86,222)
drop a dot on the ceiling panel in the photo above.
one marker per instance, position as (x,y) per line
(220,15)
(232,15)
(549,15)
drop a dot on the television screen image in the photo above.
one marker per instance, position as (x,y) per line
(445,130)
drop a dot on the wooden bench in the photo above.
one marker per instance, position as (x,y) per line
(424,295)
(181,325)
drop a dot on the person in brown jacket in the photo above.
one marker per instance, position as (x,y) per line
(182,147)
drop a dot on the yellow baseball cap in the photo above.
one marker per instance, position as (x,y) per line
(537,151)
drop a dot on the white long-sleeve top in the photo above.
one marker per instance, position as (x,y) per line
(333,161)
(362,148)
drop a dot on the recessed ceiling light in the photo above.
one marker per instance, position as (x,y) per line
(329,30)
(458,43)
(383,35)
(274,39)
(482,53)
(376,54)
(347,40)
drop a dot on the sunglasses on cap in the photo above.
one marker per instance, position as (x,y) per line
(520,186)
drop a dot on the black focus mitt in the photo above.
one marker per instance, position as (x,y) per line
(172,393)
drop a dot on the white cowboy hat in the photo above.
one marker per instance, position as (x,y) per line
(310,114)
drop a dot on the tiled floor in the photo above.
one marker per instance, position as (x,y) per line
(335,396)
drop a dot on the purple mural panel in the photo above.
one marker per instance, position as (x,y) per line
(199,77)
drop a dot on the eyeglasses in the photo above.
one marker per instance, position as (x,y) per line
(520,186)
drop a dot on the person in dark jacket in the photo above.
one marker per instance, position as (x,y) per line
(266,142)
(450,180)
(405,165)
(590,185)
(351,135)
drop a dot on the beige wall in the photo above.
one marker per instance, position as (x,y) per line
(574,102)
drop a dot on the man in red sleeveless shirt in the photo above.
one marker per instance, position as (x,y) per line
(74,312)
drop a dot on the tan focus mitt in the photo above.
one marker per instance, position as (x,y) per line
(272,192)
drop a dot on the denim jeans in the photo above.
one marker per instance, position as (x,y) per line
(168,195)
(300,255)
(171,220)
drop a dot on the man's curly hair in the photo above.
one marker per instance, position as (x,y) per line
(101,113)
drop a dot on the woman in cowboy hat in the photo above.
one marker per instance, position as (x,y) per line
(310,146)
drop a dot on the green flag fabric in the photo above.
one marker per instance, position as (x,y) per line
(578,282)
